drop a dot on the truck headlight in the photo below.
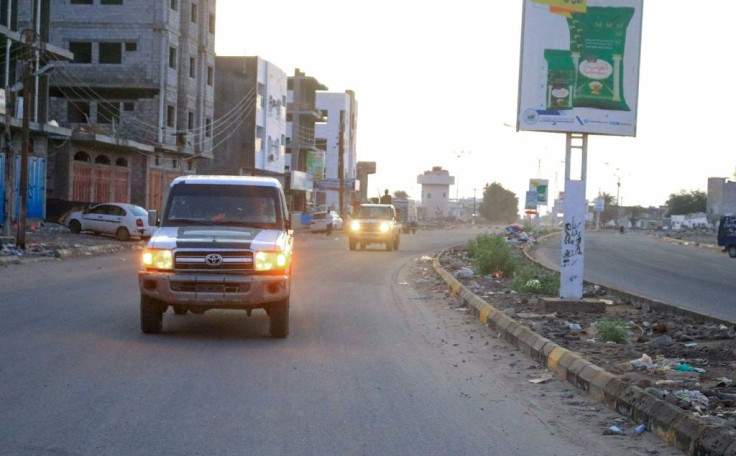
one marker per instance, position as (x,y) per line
(384,227)
(157,259)
(355,225)
(268,261)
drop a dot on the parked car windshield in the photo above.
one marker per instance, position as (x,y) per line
(223,205)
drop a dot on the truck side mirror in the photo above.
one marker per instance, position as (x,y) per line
(153,217)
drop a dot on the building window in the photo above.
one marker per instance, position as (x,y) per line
(121,162)
(108,113)
(210,75)
(190,120)
(111,2)
(83,157)
(102,160)
(82,52)
(170,116)
(174,4)
(81,2)
(129,106)
(191,67)
(174,163)
(194,12)
(111,53)
(208,127)
(172,57)
(131,46)
(212,24)
(77,112)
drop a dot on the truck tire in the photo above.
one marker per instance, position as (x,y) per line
(352,243)
(396,243)
(152,315)
(389,246)
(732,251)
(279,319)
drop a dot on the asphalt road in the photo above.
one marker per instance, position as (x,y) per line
(694,278)
(369,368)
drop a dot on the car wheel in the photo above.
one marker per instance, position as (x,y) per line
(279,319)
(352,243)
(180,310)
(732,251)
(123,234)
(152,315)
(75,227)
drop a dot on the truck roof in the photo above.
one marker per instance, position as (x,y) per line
(227,180)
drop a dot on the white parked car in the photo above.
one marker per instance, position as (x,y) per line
(321,218)
(119,219)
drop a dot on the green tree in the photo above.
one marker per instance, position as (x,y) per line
(687,202)
(499,204)
(400,194)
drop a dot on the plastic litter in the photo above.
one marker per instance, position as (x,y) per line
(613,430)
(640,429)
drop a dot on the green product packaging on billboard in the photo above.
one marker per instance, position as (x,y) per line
(560,78)
(597,44)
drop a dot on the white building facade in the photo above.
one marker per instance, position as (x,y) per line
(435,184)
(336,133)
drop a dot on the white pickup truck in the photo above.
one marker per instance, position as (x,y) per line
(224,242)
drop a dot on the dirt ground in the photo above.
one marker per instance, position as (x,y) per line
(690,364)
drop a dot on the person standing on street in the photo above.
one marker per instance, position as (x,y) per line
(386,198)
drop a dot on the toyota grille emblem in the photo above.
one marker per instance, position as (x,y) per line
(213,259)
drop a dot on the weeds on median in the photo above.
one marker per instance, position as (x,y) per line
(492,255)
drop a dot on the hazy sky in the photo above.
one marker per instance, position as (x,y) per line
(437,85)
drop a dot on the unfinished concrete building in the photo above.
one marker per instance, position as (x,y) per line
(138,97)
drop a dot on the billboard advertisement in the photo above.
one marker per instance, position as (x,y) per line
(580,66)
(540,186)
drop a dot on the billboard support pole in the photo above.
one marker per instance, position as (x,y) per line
(573,233)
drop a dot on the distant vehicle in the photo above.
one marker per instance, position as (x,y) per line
(407,213)
(320,220)
(119,219)
(375,224)
(727,234)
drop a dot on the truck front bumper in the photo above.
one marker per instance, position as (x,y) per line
(214,291)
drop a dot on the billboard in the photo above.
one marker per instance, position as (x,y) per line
(580,66)
(539,186)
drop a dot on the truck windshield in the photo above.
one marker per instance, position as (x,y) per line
(235,205)
(375,212)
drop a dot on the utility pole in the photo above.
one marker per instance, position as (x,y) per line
(341,163)
(9,169)
(28,64)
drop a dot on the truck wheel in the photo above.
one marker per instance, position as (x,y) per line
(396,243)
(279,319)
(732,251)
(389,246)
(152,315)
(352,243)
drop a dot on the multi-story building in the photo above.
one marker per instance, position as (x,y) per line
(336,135)
(305,158)
(138,96)
(435,192)
(26,52)
(250,105)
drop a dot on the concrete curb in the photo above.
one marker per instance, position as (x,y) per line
(670,423)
